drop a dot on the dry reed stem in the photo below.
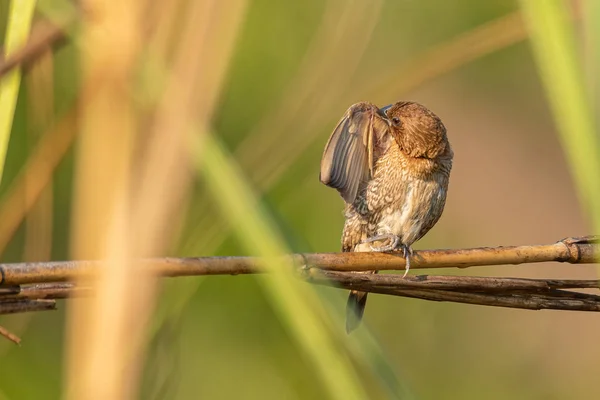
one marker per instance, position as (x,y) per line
(584,250)
(491,291)
(41,291)
(14,306)
(363,282)
(133,173)
(99,325)
(521,293)
(33,286)
(531,294)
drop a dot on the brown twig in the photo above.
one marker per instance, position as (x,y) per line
(35,286)
(571,250)
(532,294)
(475,284)
(9,335)
(521,293)
(13,306)
(52,291)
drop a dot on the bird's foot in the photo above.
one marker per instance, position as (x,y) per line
(393,242)
(407,251)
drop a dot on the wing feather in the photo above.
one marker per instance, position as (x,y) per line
(348,158)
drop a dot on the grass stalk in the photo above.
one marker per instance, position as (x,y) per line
(20,15)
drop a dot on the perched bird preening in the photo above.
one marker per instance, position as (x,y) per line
(391,167)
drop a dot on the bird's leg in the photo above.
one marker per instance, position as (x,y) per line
(392,245)
(407,253)
(394,241)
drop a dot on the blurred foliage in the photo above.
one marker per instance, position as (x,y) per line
(17,31)
(224,339)
(564,77)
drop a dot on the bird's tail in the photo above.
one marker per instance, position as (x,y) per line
(355,309)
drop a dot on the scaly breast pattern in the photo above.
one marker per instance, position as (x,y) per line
(399,200)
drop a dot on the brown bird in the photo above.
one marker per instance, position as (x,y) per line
(391,167)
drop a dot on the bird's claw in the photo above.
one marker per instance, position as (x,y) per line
(394,241)
(392,245)
(407,251)
(382,249)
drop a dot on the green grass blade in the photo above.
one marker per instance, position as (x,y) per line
(20,15)
(591,16)
(562,74)
(295,302)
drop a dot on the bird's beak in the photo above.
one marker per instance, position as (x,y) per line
(382,113)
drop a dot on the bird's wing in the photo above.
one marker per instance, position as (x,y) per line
(348,158)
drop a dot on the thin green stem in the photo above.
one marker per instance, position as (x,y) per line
(20,16)
(297,303)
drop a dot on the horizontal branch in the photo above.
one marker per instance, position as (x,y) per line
(570,250)
(531,294)
(359,281)
(13,306)
(26,287)
(51,291)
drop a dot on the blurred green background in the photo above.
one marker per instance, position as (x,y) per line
(296,68)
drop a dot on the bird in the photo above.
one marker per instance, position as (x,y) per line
(391,166)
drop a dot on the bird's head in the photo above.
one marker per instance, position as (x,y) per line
(419,132)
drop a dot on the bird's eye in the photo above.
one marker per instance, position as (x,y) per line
(396,121)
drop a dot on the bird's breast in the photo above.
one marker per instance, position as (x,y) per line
(403,200)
